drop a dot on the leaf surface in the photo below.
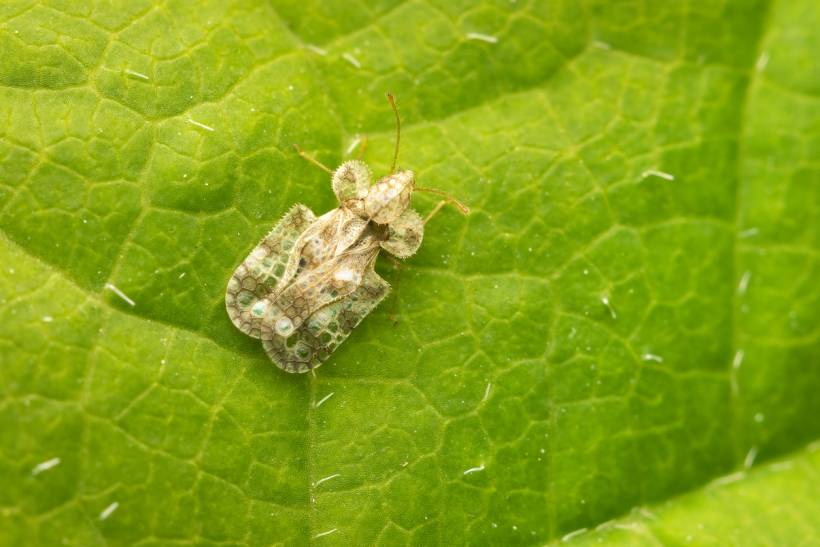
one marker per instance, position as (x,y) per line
(772,505)
(630,309)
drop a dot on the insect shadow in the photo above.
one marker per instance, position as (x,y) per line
(305,287)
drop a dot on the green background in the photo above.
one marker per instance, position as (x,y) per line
(506,355)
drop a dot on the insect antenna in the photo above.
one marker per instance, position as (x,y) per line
(463,209)
(392,102)
(312,160)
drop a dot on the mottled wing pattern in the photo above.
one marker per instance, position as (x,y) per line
(322,333)
(259,274)
(302,256)
(331,234)
(404,234)
(314,289)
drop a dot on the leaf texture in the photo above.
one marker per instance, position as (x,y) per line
(630,309)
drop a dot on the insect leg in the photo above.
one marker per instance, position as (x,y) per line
(362,146)
(397,264)
(440,205)
(312,160)
(463,209)
(435,210)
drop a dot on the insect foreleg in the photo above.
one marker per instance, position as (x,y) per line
(312,160)
(463,209)
(362,147)
(441,204)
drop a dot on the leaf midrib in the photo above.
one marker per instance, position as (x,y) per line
(735,401)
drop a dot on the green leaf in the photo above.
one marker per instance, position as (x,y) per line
(594,337)
(771,505)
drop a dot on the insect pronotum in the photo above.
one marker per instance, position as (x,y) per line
(310,281)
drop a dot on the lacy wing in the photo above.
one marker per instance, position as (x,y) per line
(258,275)
(326,329)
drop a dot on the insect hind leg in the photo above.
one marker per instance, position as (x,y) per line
(362,147)
(393,313)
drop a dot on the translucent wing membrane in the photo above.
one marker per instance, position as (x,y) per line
(259,274)
(312,343)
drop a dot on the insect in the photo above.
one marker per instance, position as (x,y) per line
(310,281)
